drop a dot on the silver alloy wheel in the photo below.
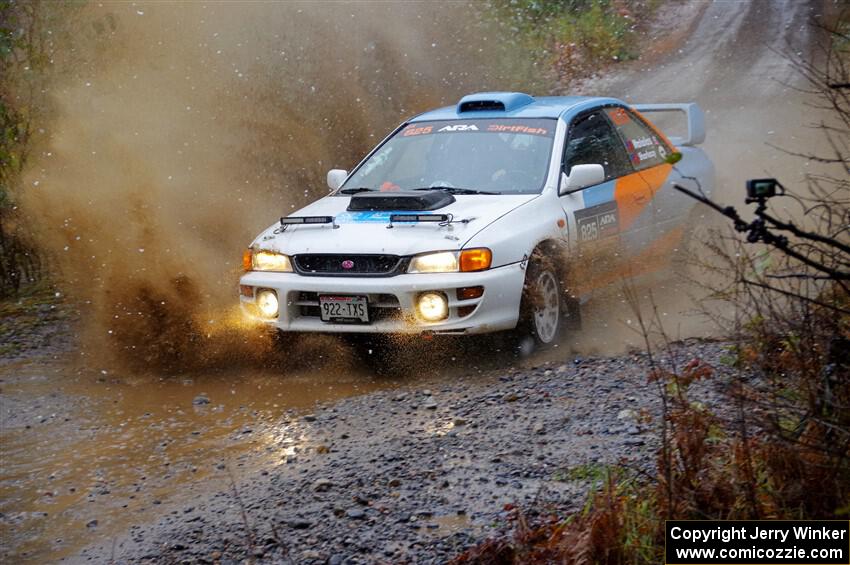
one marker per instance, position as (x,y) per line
(547,316)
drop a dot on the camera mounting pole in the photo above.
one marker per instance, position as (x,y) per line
(758,192)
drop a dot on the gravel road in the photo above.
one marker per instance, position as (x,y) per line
(415,475)
(734,63)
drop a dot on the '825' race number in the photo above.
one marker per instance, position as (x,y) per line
(598,222)
(589,231)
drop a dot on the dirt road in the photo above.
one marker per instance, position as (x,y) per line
(417,474)
(734,64)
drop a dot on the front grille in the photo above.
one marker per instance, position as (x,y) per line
(381,306)
(348,265)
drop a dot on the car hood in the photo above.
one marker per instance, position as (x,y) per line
(368,232)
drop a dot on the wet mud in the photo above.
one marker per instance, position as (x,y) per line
(86,454)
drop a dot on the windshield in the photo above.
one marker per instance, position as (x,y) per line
(503,156)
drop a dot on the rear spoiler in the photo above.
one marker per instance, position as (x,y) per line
(694,115)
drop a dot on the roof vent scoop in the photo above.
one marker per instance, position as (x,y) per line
(493,102)
(482,105)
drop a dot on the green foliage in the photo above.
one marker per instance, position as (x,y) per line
(11,125)
(596,473)
(570,38)
(11,34)
(27,30)
(604,32)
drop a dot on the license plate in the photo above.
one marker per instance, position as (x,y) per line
(344,309)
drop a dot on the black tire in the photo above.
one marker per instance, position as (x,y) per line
(285,341)
(371,349)
(542,307)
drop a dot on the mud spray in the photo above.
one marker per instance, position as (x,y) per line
(183,130)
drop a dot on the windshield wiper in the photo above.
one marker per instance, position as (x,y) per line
(355,190)
(456,190)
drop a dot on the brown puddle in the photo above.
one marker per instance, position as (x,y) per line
(452,523)
(84,447)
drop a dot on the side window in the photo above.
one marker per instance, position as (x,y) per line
(645,149)
(591,140)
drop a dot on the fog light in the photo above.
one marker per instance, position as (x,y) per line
(267,303)
(433,306)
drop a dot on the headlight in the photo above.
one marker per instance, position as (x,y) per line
(268,261)
(468,260)
(443,262)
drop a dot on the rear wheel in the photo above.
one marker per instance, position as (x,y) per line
(697,239)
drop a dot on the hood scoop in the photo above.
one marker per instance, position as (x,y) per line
(414,201)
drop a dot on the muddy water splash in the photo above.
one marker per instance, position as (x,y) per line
(182,130)
(87,455)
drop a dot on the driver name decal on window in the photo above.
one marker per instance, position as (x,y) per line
(642,149)
(643,146)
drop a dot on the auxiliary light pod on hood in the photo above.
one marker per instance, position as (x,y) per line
(306,220)
(400,201)
(299,220)
(414,218)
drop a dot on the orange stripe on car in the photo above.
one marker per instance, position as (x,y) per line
(656,176)
(632,196)
(654,258)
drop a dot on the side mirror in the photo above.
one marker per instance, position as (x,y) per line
(336,177)
(582,176)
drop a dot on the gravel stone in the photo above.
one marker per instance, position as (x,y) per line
(322,485)
(355,514)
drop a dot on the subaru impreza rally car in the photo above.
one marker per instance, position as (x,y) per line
(499,213)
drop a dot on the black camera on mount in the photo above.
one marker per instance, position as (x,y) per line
(761,189)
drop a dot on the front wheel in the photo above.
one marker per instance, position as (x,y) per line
(541,307)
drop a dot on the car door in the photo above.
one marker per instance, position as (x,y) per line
(648,150)
(607,219)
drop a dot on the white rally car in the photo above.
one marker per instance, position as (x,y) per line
(499,213)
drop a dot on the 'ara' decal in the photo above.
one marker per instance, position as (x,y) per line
(598,222)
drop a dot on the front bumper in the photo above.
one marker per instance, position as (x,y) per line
(392,301)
